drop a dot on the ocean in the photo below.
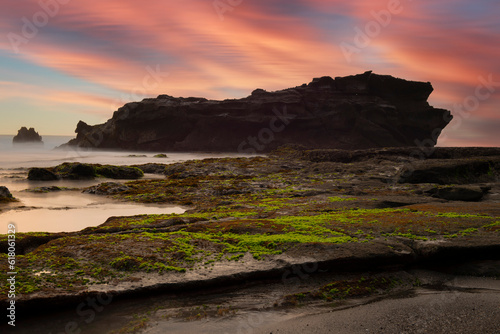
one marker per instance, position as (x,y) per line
(71,210)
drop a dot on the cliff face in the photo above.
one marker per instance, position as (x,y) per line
(355,112)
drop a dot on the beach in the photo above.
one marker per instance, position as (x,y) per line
(281,243)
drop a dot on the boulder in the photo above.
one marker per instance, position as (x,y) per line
(75,171)
(27,136)
(355,112)
(42,174)
(5,195)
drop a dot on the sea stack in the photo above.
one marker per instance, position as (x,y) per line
(25,136)
(355,112)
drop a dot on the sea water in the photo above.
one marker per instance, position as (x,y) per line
(67,211)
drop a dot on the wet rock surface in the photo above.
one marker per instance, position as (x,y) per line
(355,112)
(294,213)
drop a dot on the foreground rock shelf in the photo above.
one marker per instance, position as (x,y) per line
(257,218)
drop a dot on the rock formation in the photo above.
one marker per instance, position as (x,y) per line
(27,136)
(79,171)
(354,112)
(5,195)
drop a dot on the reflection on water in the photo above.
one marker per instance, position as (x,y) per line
(71,210)
(67,210)
(76,219)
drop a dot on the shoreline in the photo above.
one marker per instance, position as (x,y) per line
(263,217)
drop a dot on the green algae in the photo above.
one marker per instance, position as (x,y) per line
(236,211)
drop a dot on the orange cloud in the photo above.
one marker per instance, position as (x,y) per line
(116,44)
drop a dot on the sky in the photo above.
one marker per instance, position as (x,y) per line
(62,61)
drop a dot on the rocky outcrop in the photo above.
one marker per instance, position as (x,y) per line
(42,174)
(355,112)
(5,195)
(79,171)
(27,136)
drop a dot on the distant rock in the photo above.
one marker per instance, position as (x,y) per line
(354,112)
(27,136)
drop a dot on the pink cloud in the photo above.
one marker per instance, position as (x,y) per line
(114,42)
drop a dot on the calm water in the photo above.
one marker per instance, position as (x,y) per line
(68,211)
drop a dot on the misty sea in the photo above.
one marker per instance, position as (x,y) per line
(70,210)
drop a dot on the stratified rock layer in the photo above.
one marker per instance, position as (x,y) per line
(355,112)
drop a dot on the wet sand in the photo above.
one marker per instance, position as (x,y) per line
(427,312)
(443,304)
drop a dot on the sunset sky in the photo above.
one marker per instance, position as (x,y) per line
(62,61)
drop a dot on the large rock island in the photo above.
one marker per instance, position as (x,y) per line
(354,112)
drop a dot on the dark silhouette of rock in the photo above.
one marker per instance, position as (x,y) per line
(42,174)
(27,136)
(79,171)
(5,195)
(354,112)
(83,171)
